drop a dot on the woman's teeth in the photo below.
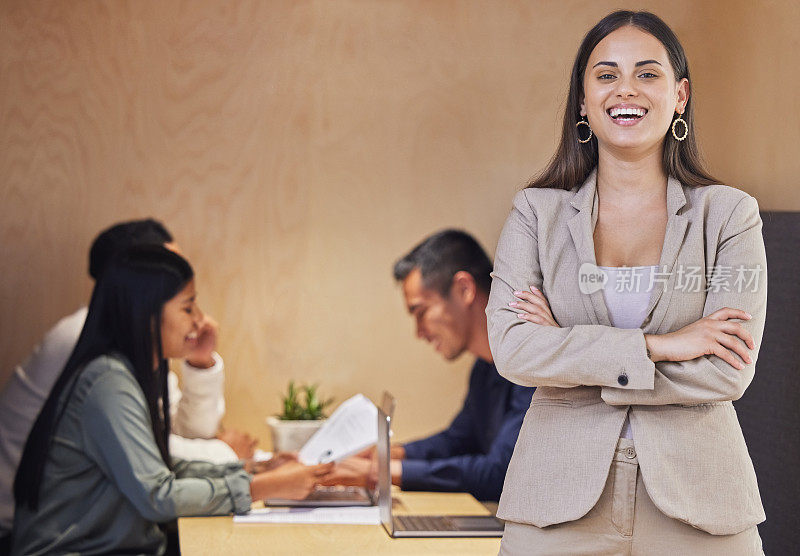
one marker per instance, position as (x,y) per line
(191,337)
(627,113)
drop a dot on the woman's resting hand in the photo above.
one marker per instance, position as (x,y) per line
(240,442)
(533,307)
(717,334)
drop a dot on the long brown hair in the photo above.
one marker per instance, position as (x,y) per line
(573,161)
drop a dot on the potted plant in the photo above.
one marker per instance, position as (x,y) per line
(303,413)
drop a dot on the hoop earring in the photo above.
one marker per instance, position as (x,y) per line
(578,125)
(685,128)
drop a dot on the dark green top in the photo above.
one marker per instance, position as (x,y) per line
(105,486)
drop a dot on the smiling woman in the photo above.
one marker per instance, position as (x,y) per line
(642,453)
(180,321)
(96,473)
(657,54)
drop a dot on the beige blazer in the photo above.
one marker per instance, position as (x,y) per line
(692,455)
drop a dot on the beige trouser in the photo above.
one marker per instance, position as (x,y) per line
(625,521)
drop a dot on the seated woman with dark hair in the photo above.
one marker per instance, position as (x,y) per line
(96,475)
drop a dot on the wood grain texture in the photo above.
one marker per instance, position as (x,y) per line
(220,535)
(297,148)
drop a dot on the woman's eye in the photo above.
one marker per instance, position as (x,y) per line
(648,75)
(187,310)
(606,76)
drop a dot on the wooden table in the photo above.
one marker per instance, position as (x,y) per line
(220,535)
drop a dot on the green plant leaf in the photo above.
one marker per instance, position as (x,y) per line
(310,409)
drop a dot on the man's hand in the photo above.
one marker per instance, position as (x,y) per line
(397,451)
(354,471)
(292,480)
(241,443)
(201,355)
(359,471)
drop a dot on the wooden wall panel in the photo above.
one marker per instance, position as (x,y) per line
(749,100)
(296,149)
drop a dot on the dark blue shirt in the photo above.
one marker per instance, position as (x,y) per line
(472,454)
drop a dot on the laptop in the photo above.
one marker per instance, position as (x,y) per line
(422,525)
(338,496)
(328,497)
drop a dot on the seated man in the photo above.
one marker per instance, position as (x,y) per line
(195,412)
(445,281)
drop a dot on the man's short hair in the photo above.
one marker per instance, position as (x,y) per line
(440,256)
(121,236)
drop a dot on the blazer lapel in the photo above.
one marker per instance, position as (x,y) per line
(673,240)
(581,227)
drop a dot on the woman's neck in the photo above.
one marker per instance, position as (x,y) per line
(640,175)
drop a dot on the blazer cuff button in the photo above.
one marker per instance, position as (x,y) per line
(623,379)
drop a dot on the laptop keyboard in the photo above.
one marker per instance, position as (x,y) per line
(423,523)
(324,494)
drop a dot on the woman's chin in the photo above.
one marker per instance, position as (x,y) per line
(633,143)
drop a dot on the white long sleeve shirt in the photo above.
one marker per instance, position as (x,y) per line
(196,411)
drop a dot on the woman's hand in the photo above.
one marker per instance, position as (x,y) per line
(353,471)
(534,307)
(717,334)
(201,355)
(281,458)
(291,480)
(241,443)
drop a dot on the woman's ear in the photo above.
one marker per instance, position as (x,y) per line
(683,95)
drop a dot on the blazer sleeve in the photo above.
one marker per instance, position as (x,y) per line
(530,354)
(480,474)
(457,439)
(709,378)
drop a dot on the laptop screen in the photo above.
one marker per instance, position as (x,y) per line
(388,404)
(384,476)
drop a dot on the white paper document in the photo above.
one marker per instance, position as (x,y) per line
(349,515)
(350,429)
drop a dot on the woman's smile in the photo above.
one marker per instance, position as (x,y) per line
(191,338)
(626,114)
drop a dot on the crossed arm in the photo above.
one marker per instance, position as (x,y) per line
(711,359)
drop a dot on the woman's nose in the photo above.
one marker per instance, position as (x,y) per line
(626,87)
